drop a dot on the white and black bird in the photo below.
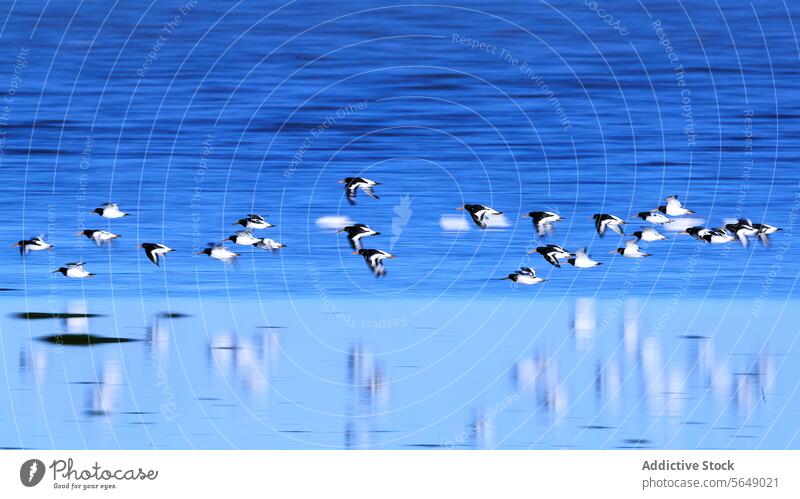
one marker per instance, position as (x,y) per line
(764,231)
(110,210)
(74,270)
(631,250)
(479,213)
(717,236)
(352,184)
(543,221)
(253,221)
(356,232)
(581,260)
(674,208)
(219,252)
(155,250)
(374,259)
(34,244)
(742,229)
(266,243)
(99,236)
(649,235)
(604,221)
(525,275)
(654,217)
(552,253)
(244,238)
(696,232)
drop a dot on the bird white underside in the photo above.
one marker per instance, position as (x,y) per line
(222,254)
(76,273)
(528,279)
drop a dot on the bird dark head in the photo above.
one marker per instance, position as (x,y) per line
(99,211)
(230,238)
(63,270)
(643,214)
(346,180)
(596,216)
(637,234)
(206,251)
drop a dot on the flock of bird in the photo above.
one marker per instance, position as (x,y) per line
(543,222)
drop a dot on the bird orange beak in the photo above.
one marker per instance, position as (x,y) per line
(340,181)
(532,251)
(612,252)
(355,253)
(460,208)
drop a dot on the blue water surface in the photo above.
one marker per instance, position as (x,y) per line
(192,114)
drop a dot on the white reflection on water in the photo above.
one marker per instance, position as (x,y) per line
(105,395)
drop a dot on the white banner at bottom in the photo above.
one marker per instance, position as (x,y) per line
(390,474)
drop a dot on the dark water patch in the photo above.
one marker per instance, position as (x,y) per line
(8,289)
(694,423)
(31,316)
(692,337)
(424,446)
(83,339)
(208,398)
(636,441)
(294,431)
(173,315)
(85,382)
(136,413)
(598,427)
(271,327)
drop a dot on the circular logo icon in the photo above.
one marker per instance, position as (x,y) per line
(31,472)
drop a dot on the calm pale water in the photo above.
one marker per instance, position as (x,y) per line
(192,114)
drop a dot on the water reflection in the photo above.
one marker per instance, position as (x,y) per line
(369,396)
(246,361)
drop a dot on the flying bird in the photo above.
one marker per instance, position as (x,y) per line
(543,221)
(34,244)
(374,259)
(155,250)
(479,213)
(552,253)
(581,260)
(110,210)
(253,221)
(764,231)
(352,184)
(648,234)
(742,229)
(73,270)
(525,275)
(631,250)
(604,221)
(674,208)
(654,217)
(99,236)
(356,232)
(244,238)
(269,244)
(219,252)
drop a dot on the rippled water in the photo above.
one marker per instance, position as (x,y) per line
(191,115)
